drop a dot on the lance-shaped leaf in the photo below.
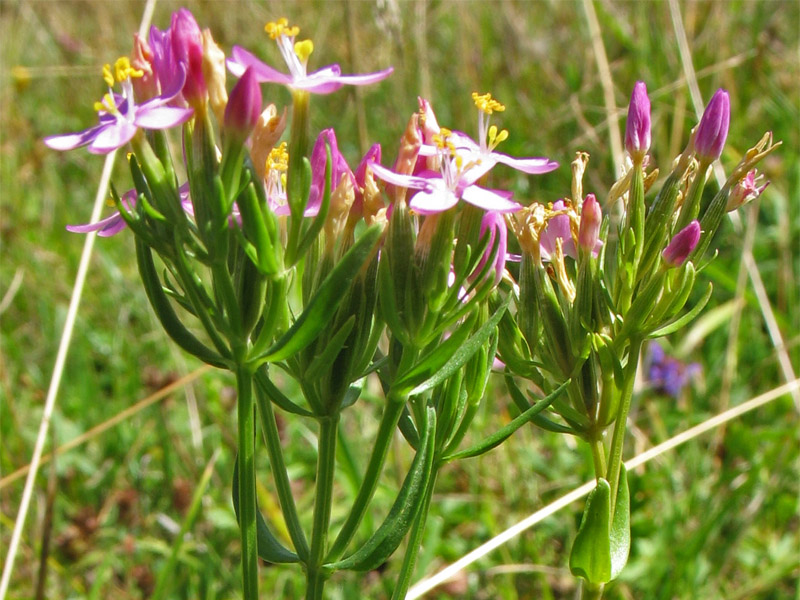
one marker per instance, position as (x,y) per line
(681,321)
(422,378)
(620,534)
(166,314)
(322,306)
(269,548)
(391,532)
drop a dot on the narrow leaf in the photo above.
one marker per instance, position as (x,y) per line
(678,323)
(620,533)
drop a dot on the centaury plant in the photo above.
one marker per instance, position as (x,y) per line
(285,258)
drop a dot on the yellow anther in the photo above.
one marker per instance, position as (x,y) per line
(107,104)
(123,70)
(276,29)
(486,103)
(496,137)
(278,159)
(110,201)
(303,50)
(108,77)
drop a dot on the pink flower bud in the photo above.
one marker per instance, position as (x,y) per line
(637,128)
(682,244)
(495,224)
(591,218)
(187,44)
(244,106)
(713,128)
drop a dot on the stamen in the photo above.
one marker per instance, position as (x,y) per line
(108,77)
(276,29)
(486,104)
(495,138)
(107,104)
(123,70)
(278,159)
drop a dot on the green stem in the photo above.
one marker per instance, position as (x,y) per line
(618,439)
(247,484)
(598,457)
(279,473)
(591,592)
(415,539)
(374,468)
(326,461)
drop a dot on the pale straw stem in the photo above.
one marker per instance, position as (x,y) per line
(450,571)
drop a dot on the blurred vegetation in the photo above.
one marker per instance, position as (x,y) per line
(716,519)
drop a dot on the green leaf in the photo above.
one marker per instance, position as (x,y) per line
(678,323)
(391,532)
(324,360)
(620,533)
(322,306)
(503,434)
(461,355)
(276,396)
(269,548)
(590,557)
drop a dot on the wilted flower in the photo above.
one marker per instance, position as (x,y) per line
(324,81)
(120,117)
(682,244)
(591,218)
(637,127)
(713,128)
(559,225)
(747,190)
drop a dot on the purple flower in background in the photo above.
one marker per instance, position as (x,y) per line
(666,374)
(713,128)
(324,81)
(682,244)
(637,127)
(121,117)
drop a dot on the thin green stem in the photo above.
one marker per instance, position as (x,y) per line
(415,539)
(374,468)
(280,475)
(326,462)
(618,439)
(247,484)
(598,457)
(591,592)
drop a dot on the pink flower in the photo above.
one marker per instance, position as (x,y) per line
(637,127)
(682,244)
(713,128)
(324,81)
(746,190)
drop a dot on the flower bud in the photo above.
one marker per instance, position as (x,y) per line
(591,218)
(713,128)
(746,190)
(214,72)
(637,128)
(187,44)
(244,106)
(682,244)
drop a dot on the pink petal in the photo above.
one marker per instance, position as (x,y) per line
(241,59)
(532,166)
(162,117)
(109,224)
(490,199)
(70,141)
(366,78)
(112,137)
(407,181)
(434,200)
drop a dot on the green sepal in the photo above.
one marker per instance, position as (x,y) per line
(322,307)
(269,548)
(166,314)
(422,382)
(602,544)
(406,426)
(277,397)
(256,231)
(683,320)
(312,232)
(710,222)
(504,433)
(382,544)
(333,345)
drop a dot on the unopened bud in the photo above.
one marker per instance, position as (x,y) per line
(713,128)
(682,244)
(244,106)
(637,127)
(591,218)
(494,222)
(187,44)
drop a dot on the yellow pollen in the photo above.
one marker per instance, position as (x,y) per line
(496,137)
(123,70)
(486,103)
(303,50)
(108,77)
(110,201)
(278,159)
(276,29)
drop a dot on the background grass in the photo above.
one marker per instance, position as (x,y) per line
(717,519)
